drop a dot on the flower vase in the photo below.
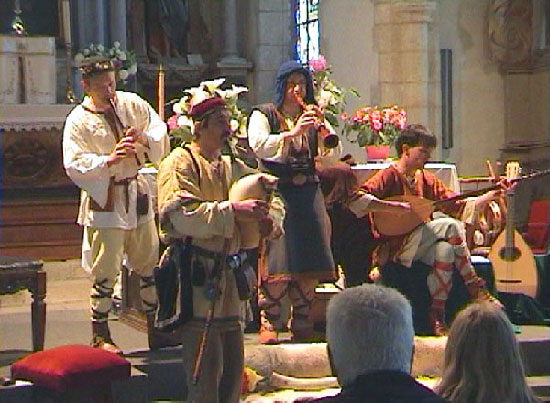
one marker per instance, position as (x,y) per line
(378,152)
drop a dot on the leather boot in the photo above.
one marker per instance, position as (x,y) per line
(267,334)
(437,321)
(158,339)
(479,293)
(101,338)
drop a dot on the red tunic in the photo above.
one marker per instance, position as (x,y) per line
(390,182)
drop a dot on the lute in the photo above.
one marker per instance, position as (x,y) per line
(512,259)
(390,224)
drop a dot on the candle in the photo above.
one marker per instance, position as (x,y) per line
(66,11)
(161,92)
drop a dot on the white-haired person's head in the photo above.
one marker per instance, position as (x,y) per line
(369,328)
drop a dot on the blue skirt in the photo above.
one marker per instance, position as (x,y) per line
(304,249)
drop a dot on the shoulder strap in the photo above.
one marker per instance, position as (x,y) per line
(195,164)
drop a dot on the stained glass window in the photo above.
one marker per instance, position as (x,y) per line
(306,17)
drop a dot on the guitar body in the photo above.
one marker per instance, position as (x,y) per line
(514,265)
(391,224)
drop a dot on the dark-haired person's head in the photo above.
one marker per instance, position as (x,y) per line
(211,118)
(415,135)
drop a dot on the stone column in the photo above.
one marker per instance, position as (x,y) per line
(230,53)
(270,34)
(231,65)
(408,63)
(99,22)
(118,22)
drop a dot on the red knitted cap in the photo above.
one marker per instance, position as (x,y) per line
(198,110)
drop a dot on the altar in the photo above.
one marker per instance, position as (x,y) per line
(27,70)
(39,201)
(446,172)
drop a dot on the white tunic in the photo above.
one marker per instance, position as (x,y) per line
(88,140)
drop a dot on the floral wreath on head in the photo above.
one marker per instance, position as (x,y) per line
(123,61)
(180,124)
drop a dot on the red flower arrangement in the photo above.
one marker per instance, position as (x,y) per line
(373,126)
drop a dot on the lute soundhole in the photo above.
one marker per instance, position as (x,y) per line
(509,253)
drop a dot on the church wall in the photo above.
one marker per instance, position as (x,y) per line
(269,44)
(478,86)
(347,42)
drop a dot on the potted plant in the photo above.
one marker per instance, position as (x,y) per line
(374,128)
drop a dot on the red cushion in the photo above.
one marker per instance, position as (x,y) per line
(538,226)
(65,367)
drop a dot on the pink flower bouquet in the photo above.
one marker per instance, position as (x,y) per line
(373,126)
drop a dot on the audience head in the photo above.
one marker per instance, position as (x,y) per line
(369,328)
(415,135)
(482,359)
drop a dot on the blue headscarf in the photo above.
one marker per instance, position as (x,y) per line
(286,69)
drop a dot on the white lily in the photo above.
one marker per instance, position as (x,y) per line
(184,120)
(233,93)
(176,108)
(212,85)
(234,125)
(199,96)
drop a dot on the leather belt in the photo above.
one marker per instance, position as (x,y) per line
(232,262)
(126,183)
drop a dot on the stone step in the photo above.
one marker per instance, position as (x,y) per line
(311,360)
(158,375)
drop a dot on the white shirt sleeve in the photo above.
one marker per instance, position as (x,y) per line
(263,143)
(88,170)
(159,143)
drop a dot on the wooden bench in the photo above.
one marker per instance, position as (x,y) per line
(20,273)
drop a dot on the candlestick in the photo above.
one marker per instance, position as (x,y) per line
(161,92)
(66,14)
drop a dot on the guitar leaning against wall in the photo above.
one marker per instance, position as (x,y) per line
(512,259)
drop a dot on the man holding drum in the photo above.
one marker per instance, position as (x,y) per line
(193,197)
